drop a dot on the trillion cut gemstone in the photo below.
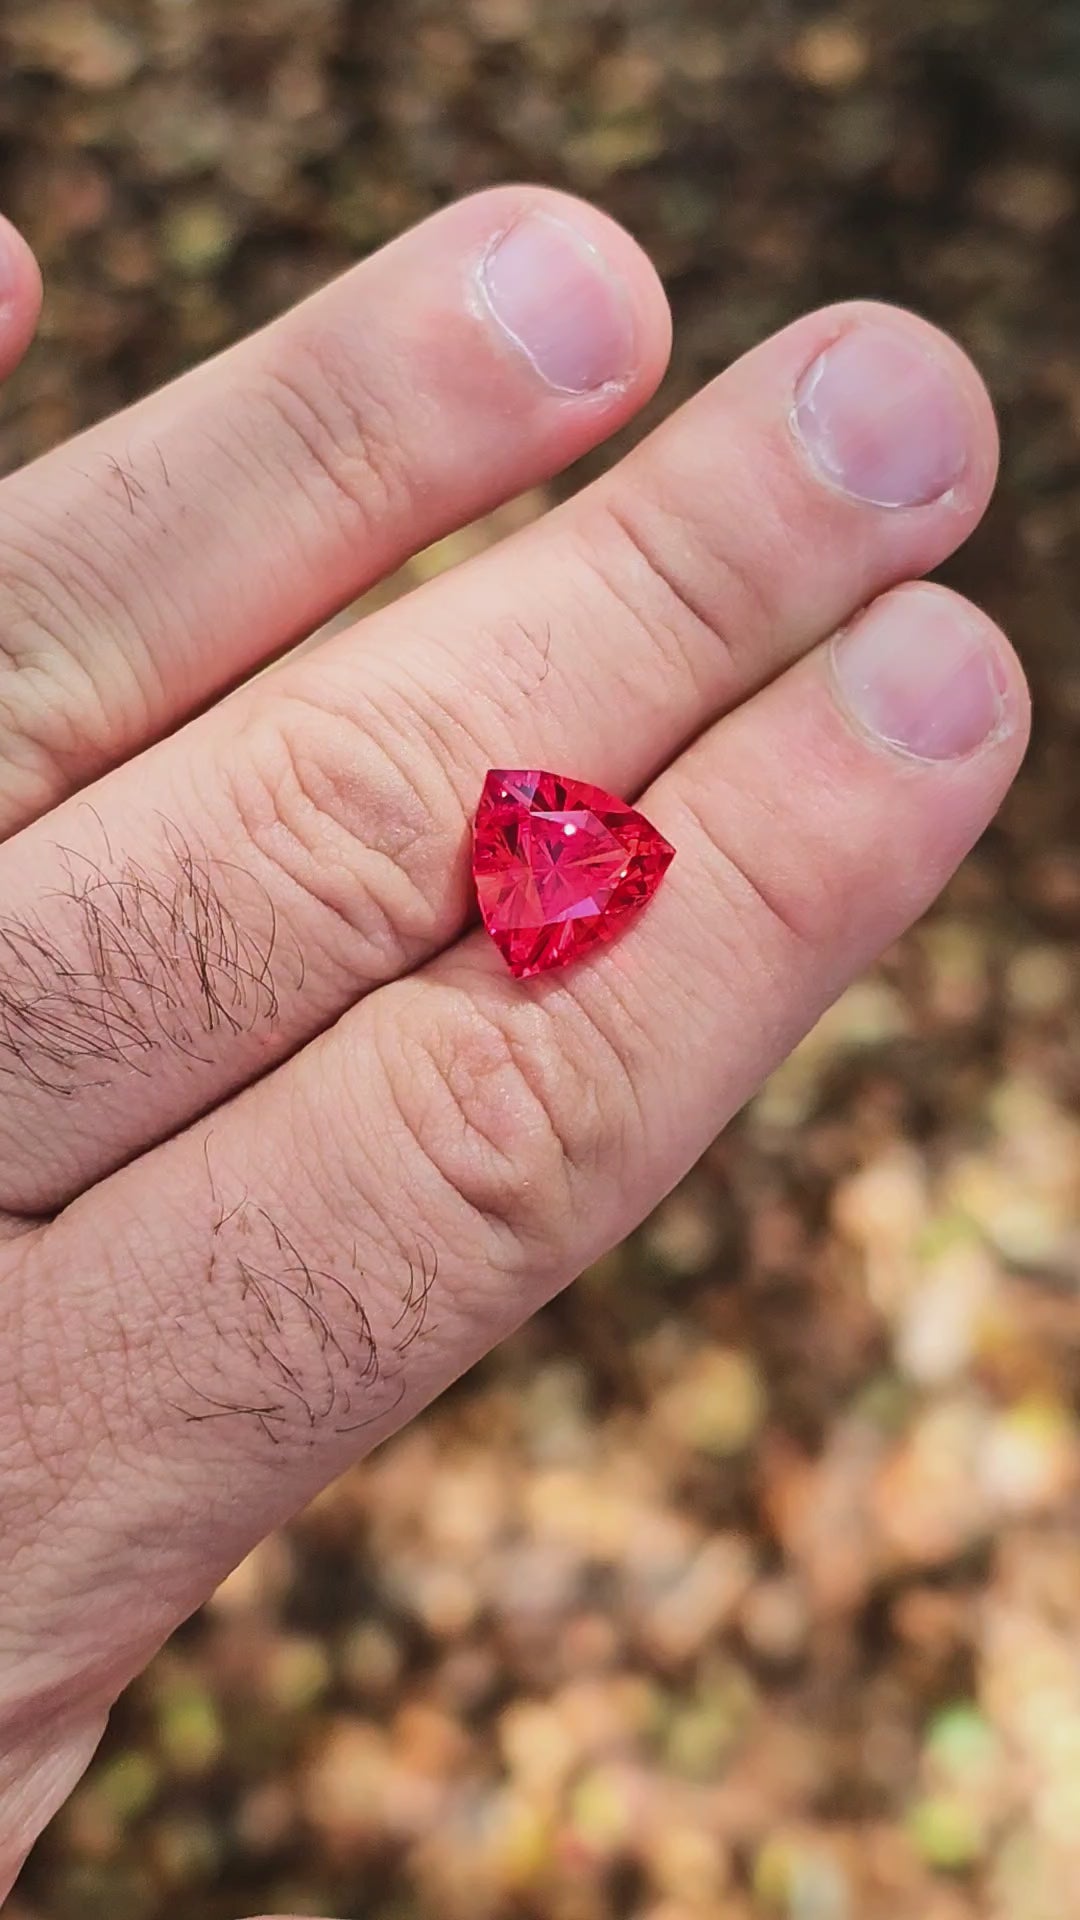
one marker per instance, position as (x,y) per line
(560,867)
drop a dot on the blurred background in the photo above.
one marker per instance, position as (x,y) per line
(745,1584)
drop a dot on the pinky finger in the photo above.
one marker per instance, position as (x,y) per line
(20,296)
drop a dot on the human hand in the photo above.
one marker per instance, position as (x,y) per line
(283,1147)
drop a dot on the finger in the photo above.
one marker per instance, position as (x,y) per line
(307,841)
(161,556)
(20,296)
(295,1276)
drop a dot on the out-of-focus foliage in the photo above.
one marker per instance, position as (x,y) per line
(745,1584)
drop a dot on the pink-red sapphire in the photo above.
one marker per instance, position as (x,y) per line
(560,867)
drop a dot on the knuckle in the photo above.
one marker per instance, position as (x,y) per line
(687,586)
(358,820)
(795,896)
(512,1107)
(342,438)
(53,716)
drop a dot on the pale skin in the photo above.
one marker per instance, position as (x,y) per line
(283,1147)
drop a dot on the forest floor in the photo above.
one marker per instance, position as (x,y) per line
(745,1583)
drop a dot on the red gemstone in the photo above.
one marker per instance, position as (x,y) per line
(560,867)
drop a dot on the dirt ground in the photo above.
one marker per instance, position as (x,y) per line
(746,1581)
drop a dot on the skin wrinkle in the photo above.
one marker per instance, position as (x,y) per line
(125,960)
(295,808)
(342,456)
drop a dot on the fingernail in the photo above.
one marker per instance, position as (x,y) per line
(882,420)
(923,676)
(552,293)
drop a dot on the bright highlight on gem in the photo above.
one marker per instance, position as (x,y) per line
(560,867)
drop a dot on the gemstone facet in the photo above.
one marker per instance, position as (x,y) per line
(560,867)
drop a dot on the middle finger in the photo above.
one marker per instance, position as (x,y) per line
(231,893)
